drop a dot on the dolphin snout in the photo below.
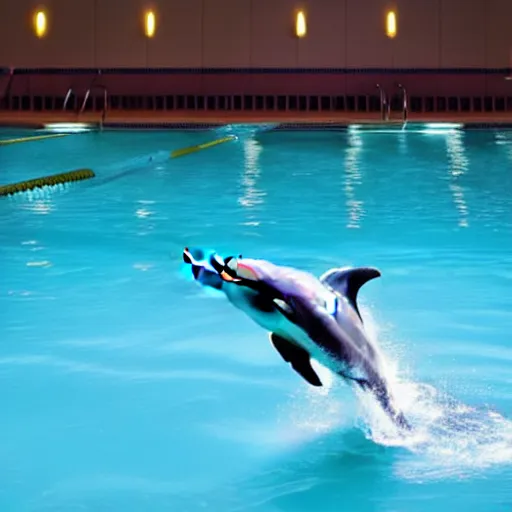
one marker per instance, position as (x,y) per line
(204,266)
(187,257)
(194,255)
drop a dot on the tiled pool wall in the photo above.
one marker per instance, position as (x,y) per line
(446,90)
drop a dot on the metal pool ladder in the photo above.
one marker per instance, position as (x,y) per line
(384,104)
(405,104)
(87,94)
(66,99)
(105,101)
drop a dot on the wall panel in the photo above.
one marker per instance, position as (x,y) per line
(120,40)
(226,33)
(367,43)
(418,40)
(72,39)
(179,34)
(258,33)
(68,42)
(273,43)
(324,45)
(18,45)
(463,33)
(499,33)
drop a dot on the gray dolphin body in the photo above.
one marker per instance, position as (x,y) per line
(307,317)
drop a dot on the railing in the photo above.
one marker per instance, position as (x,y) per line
(27,90)
(105,99)
(92,86)
(66,99)
(86,97)
(405,103)
(384,104)
(7,92)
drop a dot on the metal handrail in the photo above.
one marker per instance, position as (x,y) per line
(384,104)
(7,91)
(105,98)
(66,99)
(92,86)
(405,103)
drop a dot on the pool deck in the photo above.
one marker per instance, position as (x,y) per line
(149,117)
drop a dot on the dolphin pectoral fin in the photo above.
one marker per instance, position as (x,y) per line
(347,282)
(297,357)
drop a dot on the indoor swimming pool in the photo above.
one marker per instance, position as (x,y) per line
(125,386)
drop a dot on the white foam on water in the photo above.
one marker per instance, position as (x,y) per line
(449,439)
(312,413)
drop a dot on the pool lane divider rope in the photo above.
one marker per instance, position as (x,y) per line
(7,142)
(54,179)
(193,149)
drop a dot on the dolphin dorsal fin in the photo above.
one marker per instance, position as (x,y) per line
(348,281)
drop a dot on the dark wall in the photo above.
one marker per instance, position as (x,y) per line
(258,33)
(451,55)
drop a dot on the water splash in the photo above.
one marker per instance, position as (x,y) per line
(244,132)
(450,439)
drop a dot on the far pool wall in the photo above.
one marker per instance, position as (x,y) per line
(237,54)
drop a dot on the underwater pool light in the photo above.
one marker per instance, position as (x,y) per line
(440,126)
(68,127)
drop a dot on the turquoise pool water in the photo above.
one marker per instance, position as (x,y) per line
(126,387)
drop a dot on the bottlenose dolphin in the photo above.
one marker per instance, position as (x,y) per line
(307,317)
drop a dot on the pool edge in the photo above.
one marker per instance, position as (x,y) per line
(149,120)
